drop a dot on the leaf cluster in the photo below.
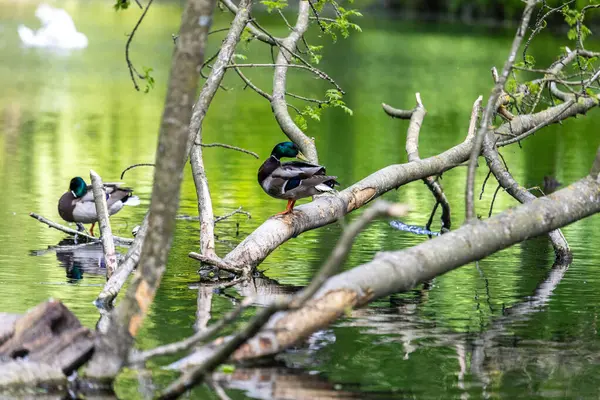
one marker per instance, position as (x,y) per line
(334,99)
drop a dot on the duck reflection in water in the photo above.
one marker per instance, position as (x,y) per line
(78,259)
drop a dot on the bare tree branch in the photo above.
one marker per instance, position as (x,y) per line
(205,211)
(110,255)
(236,211)
(73,232)
(474,116)
(278,103)
(412,149)
(490,108)
(251,85)
(117,280)
(132,71)
(230,147)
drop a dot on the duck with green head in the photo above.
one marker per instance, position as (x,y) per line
(77,205)
(292,180)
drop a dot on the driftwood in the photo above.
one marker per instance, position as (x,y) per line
(43,346)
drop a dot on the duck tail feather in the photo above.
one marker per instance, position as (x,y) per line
(131,201)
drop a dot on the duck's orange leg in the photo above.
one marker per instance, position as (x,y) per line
(289,208)
(92,229)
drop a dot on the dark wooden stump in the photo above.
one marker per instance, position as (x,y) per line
(41,346)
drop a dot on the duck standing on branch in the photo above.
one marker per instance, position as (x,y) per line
(77,205)
(292,180)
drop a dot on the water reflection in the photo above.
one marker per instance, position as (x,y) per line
(77,258)
(288,384)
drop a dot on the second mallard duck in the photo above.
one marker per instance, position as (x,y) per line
(77,205)
(292,180)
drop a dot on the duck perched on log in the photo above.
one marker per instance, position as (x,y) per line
(292,180)
(77,205)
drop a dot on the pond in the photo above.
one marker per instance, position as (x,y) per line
(487,330)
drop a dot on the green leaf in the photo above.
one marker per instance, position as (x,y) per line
(148,78)
(228,368)
(529,60)
(274,4)
(122,5)
(301,122)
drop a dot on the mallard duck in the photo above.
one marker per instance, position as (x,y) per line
(77,205)
(292,180)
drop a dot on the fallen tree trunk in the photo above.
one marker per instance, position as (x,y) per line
(404,269)
(43,346)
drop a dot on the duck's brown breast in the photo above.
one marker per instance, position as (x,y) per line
(66,207)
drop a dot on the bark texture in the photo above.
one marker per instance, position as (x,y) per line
(43,346)
(113,347)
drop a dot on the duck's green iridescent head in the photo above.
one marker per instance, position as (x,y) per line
(285,149)
(78,187)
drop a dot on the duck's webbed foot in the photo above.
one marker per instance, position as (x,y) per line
(289,209)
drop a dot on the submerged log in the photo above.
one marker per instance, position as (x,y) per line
(43,346)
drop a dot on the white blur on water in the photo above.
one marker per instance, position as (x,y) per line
(57,31)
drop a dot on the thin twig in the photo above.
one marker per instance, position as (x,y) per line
(230,147)
(219,30)
(73,232)
(484,183)
(307,98)
(474,116)
(129,39)
(317,16)
(108,245)
(135,166)
(263,37)
(253,86)
(237,211)
(493,200)
(309,67)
